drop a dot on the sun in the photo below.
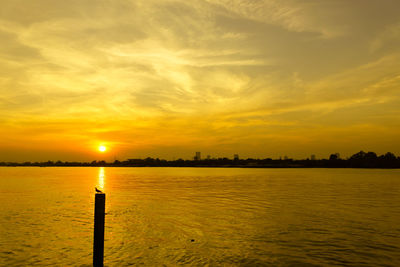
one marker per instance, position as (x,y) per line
(102,148)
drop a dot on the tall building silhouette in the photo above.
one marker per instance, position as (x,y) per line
(197,156)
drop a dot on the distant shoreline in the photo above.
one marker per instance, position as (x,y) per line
(222,167)
(363,160)
(209,166)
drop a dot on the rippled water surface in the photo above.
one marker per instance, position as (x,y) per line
(202,216)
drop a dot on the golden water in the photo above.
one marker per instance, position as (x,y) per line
(201,216)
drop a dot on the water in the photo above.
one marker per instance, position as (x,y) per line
(235,217)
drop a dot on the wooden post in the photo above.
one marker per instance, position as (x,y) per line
(99,214)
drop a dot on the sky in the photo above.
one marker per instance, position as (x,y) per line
(165,78)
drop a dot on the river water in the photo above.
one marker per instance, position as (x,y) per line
(201,216)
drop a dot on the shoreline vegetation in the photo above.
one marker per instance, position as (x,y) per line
(359,160)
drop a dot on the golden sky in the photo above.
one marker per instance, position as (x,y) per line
(167,78)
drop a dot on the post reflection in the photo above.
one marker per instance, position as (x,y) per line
(102,175)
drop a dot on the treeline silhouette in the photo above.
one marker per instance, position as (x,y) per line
(359,160)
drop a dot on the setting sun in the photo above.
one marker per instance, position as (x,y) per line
(102,148)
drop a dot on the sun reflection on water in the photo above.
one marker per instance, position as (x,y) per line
(102,176)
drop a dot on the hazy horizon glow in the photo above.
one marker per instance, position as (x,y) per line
(168,78)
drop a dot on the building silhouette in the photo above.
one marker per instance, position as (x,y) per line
(197,156)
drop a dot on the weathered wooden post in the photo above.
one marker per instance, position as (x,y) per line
(99,215)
